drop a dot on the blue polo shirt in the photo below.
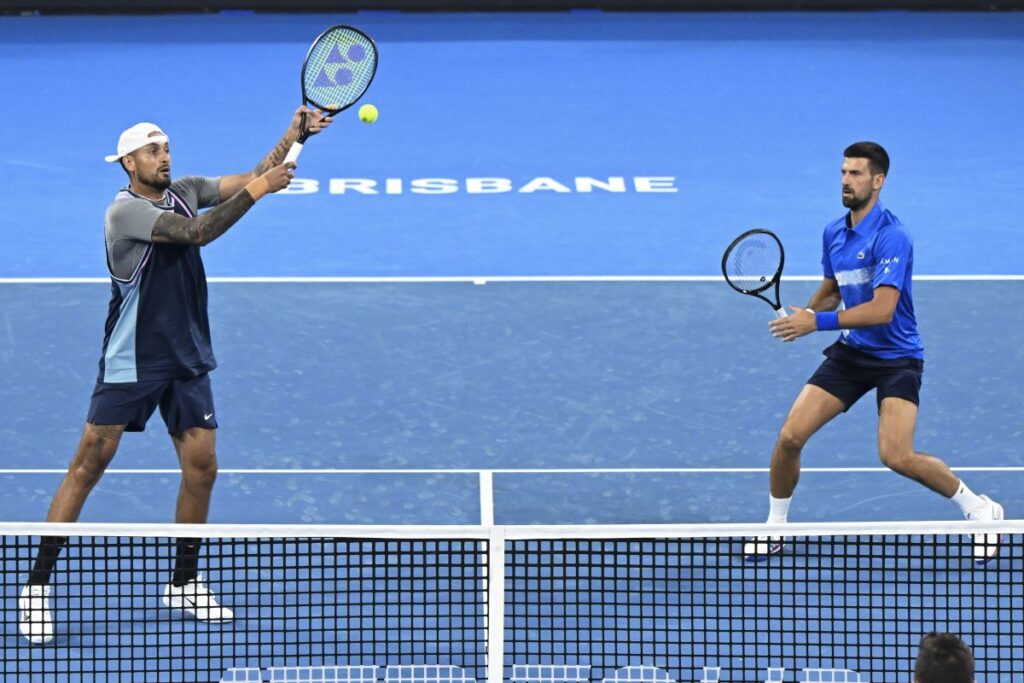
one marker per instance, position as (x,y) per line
(877,253)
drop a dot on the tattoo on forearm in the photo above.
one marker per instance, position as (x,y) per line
(206,227)
(276,156)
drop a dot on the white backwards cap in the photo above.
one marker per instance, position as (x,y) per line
(137,137)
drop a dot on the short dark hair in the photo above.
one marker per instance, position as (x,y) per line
(878,158)
(944,658)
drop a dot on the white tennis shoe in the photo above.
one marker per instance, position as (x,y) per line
(986,546)
(760,548)
(35,620)
(195,599)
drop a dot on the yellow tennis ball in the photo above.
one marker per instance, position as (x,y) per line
(367,113)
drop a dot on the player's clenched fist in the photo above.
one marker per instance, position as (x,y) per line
(277,178)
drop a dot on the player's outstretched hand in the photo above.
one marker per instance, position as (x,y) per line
(795,325)
(313,122)
(279,176)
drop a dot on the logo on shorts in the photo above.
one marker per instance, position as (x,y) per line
(860,254)
(207,416)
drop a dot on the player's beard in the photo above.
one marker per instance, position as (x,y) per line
(158,180)
(855,203)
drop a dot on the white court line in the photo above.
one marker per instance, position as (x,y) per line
(624,470)
(482,279)
(487,498)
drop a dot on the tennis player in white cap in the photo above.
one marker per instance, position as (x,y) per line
(157,351)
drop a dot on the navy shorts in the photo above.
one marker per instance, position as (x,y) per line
(184,403)
(848,374)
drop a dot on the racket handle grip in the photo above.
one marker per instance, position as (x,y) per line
(781,313)
(293,153)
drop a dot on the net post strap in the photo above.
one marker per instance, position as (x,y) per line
(496,606)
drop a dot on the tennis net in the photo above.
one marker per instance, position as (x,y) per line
(624,604)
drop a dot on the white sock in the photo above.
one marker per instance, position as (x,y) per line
(966,499)
(778,509)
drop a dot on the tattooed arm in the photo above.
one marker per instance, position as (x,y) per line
(315,122)
(206,227)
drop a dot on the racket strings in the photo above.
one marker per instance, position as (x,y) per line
(339,68)
(752,264)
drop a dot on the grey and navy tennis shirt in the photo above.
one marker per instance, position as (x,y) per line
(877,253)
(157,326)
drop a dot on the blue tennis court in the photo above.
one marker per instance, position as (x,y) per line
(509,284)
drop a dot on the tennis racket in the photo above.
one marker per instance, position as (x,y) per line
(752,265)
(338,69)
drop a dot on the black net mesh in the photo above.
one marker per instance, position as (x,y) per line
(328,609)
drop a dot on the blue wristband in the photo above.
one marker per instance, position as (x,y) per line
(827,321)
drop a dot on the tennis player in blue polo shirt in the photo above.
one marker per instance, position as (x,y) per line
(868,262)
